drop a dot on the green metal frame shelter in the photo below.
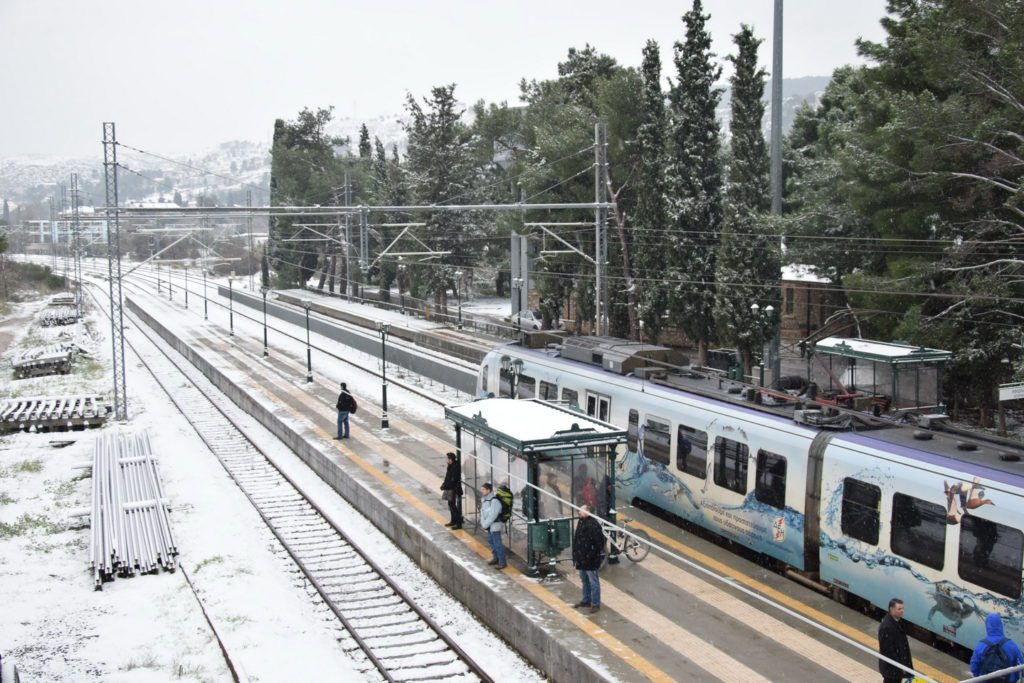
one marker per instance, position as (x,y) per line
(553,458)
(882,374)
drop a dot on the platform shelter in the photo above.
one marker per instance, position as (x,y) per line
(552,457)
(877,376)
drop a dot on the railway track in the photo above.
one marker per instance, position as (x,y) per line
(384,630)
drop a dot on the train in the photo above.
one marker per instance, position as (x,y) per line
(861,505)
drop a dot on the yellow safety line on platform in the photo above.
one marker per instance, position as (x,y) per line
(782,598)
(852,670)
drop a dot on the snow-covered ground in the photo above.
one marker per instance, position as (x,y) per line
(151,628)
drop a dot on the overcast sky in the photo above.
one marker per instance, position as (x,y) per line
(184,75)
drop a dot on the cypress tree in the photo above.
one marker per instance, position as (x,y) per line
(7,214)
(694,183)
(747,269)
(651,217)
(364,142)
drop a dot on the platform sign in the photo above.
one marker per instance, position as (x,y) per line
(1011,392)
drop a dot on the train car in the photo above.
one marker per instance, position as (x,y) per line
(872,512)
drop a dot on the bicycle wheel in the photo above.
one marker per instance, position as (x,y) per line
(636,549)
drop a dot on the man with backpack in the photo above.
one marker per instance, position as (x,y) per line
(995,652)
(346,405)
(490,520)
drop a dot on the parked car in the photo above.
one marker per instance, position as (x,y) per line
(531,320)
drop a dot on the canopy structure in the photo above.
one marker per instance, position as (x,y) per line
(883,376)
(551,457)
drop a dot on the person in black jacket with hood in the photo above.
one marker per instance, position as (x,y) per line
(587,547)
(452,487)
(344,406)
(893,643)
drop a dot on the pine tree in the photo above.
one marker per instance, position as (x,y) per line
(7,214)
(178,199)
(364,142)
(747,268)
(651,216)
(694,183)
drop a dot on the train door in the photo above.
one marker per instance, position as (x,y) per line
(599,406)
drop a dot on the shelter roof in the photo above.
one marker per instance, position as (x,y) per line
(882,352)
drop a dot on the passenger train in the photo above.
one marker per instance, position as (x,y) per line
(875,510)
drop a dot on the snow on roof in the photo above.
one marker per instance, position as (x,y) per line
(876,350)
(527,421)
(798,272)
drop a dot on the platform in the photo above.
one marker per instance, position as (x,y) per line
(662,619)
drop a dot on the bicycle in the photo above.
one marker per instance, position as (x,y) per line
(635,545)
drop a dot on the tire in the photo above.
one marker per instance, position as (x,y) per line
(636,550)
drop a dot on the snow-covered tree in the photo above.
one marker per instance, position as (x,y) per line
(694,183)
(365,150)
(747,268)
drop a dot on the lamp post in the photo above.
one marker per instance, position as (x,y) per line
(517,286)
(383,328)
(770,356)
(263,290)
(458,293)
(309,352)
(186,288)
(756,311)
(205,310)
(170,289)
(156,258)
(401,282)
(231,305)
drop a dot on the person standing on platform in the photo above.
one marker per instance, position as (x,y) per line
(995,652)
(452,491)
(345,405)
(587,546)
(893,643)
(490,519)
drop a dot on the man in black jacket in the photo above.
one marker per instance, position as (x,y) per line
(344,407)
(893,643)
(587,546)
(452,488)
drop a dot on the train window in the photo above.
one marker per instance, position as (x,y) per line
(692,451)
(484,371)
(657,440)
(571,397)
(859,517)
(548,391)
(990,555)
(770,484)
(631,430)
(526,387)
(505,383)
(731,464)
(918,530)
(598,406)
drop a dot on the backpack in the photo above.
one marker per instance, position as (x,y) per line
(994,659)
(504,496)
(354,404)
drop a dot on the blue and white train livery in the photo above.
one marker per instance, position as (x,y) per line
(875,511)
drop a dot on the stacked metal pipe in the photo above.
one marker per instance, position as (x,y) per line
(131,530)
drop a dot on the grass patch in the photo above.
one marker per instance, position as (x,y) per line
(28,523)
(147,661)
(216,559)
(181,670)
(17,468)
(6,500)
(238,620)
(90,368)
(64,489)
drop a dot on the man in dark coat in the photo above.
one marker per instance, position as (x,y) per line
(893,643)
(344,407)
(587,547)
(452,487)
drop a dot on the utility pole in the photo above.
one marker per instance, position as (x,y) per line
(76,228)
(53,238)
(348,240)
(600,228)
(776,170)
(114,270)
(67,234)
(248,223)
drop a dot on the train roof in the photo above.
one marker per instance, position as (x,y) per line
(933,440)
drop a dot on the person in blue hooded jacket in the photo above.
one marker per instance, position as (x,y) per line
(994,629)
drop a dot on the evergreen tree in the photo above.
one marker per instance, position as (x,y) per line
(651,216)
(178,199)
(440,170)
(7,214)
(265,268)
(365,150)
(694,180)
(747,269)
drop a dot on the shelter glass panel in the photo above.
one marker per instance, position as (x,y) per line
(918,530)
(991,555)
(591,483)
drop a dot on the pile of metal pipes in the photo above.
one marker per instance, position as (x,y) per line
(131,530)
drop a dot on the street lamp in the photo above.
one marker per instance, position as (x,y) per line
(231,305)
(263,290)
(186,288)
(383,328)
(401,281)
(156,259)
(756,310)
(205,310)
(458,293)
(309,353)
(517,285)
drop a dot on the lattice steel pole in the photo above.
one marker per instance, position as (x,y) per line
(114,270)
(76,228)
(600,228)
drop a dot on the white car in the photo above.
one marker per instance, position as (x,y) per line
(531,320)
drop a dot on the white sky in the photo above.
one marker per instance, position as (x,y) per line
(185,75)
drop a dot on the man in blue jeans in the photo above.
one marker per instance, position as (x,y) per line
(490,519)
(344,407)
(587,547)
